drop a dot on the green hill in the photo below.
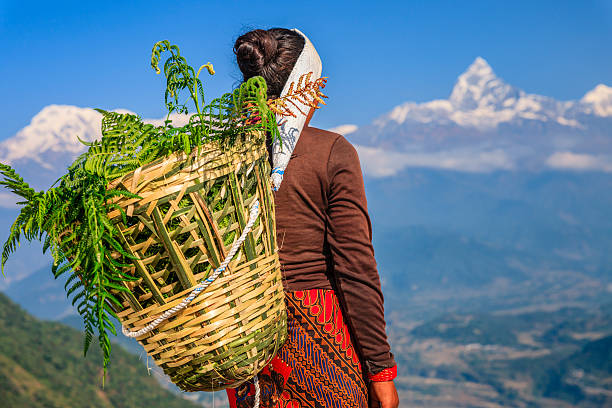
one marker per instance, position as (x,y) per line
(42,365)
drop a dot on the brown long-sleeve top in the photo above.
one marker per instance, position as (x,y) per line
(324,235)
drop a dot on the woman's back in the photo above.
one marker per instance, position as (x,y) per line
(324,235)
(300,205)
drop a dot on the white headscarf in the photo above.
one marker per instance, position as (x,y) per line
(290,127)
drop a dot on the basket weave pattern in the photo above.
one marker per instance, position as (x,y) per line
(191,211)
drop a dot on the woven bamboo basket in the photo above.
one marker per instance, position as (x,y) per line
(192,210)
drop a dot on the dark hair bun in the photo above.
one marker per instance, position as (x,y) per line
(269,53)
(254,50)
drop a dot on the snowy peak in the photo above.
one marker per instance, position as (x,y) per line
(480,67)
(51,137)
(53,130)
(599,100)
(487,124)
(479,87)
(481,100)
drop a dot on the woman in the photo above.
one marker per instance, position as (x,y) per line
(336,353)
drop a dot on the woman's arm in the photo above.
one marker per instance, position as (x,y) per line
(350,242)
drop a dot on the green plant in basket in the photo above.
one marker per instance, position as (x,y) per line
(71,217)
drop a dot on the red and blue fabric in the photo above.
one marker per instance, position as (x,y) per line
(316,367)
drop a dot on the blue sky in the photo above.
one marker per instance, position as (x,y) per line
(376,55)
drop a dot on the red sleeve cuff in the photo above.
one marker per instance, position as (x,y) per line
(387,374)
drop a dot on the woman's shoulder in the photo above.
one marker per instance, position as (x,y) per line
(326,141)
(333,151)
(322,135)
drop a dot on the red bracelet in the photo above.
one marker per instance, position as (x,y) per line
(387,374)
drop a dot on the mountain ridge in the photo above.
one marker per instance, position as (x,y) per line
(42,365)
(487,125)
(489,100)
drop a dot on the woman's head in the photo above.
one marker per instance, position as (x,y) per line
(269,53)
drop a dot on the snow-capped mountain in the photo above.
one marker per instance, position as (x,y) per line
(598,101)
(44,148)
(487,124)
(53,132)
(483,101)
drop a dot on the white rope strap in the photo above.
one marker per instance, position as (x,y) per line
(253,213)
(256,382)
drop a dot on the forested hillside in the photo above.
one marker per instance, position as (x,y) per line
(42,365)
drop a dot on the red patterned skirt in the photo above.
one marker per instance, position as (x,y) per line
(316,367)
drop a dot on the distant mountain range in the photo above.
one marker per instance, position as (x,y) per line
(487,124)
(484,125)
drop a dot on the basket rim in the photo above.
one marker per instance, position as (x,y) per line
(256,134)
